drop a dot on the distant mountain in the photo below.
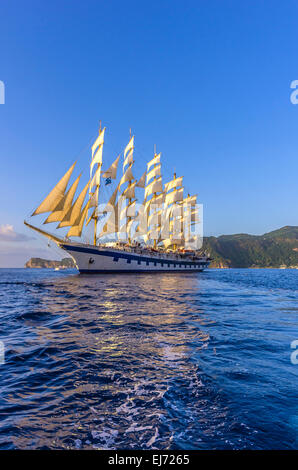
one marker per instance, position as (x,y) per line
(274,249)
(47,263)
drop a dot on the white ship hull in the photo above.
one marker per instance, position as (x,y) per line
(96,259)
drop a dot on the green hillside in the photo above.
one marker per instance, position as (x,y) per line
(273,249)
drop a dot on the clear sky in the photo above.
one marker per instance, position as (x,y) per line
(208,82)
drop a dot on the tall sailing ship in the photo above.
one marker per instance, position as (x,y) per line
(157,235)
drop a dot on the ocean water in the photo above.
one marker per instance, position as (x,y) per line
(162,361)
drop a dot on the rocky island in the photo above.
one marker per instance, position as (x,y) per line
(65,263)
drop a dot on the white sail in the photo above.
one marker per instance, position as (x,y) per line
(128,160)
(128,211)
(73,213)
(156,171)
(141,218)
(128,153)
(93,198)
(96,178)
(170,241)
(93,214)
(155,218)
(97,159)
(175,183)
(155,160)
(129,226)
(153,233)
(76,229)
(126,227)
(154,187)
(112,171)
(112,224)
(192,200)
(174,196)
(130,146)
(190,216)
(129,192)
(141,182)
(64,205)
(128,176)
(111,204)
(156,200)
(131,210)
(99,141)
(55,196)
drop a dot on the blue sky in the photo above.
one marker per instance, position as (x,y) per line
(208,82)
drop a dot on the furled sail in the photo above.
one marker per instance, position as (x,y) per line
(74,211)
(112,171)
(64,205)
(56,195)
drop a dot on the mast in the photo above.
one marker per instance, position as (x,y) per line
(173,198)
(154,195)
(174,230)
(96,159)
(95,212)
(129,200)
(174,246)
(153,186)
(129,192)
